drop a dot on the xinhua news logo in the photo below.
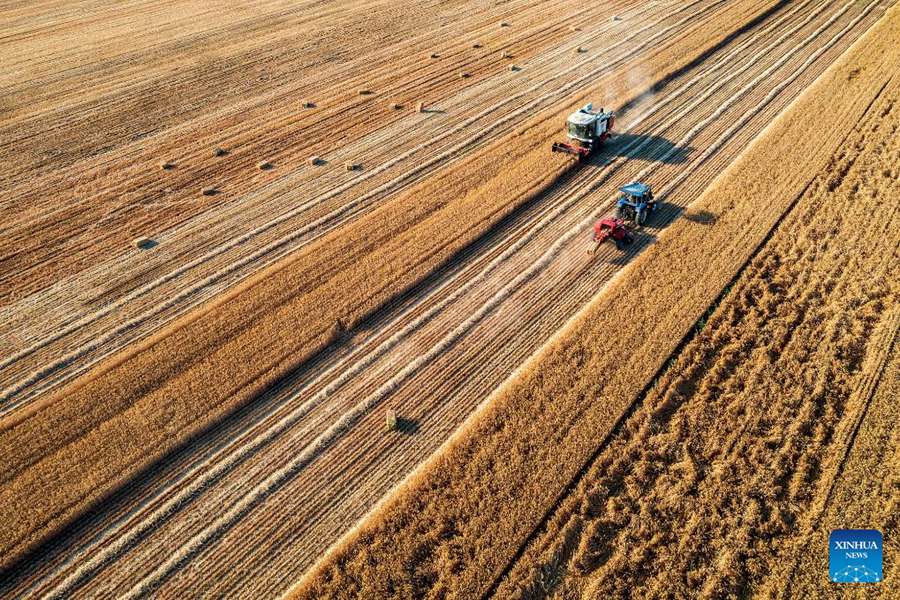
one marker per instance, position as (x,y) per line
(854,556)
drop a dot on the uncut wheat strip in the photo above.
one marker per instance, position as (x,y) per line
(16,388)
(787,585)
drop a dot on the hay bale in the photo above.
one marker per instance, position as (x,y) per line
(308,104)
(504,24)
(315,161)
(505,54)
(476,45)
(420,107)
(580,50)
(395,105)
(365,92)
(464,75)
(352,166)
(265,165)
(391,420)
(574,28)
(515,68)
(210,190)
(167,165)
(434,55)
(143,243)
(219,151)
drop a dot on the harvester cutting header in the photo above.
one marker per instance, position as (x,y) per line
(587,129)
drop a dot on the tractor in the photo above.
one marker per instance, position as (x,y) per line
(587,129)
(611,228)
(635,203)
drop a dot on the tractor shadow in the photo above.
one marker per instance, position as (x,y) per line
(650,148)
(643,238)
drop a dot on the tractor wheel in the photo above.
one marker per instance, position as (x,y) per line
(640,217)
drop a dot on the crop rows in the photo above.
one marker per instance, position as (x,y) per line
(88,315)
(465,513)
(101,413)
(289,457)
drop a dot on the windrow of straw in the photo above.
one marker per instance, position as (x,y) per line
(742,439)
(458,523)
(94,434)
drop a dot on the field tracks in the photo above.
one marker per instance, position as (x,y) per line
(216,465)
(11,391)
(257,470)
(382,525)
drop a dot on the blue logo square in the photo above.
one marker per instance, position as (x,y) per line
(854,556)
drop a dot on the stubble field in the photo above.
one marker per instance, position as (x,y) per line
(208,414)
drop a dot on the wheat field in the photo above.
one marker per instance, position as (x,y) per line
(237,237)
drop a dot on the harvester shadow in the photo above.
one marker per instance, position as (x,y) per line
(652,148)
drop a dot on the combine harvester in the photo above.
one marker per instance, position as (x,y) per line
(587,130)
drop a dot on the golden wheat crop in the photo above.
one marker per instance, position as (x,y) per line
(744,435)
(456,525)
(95,433)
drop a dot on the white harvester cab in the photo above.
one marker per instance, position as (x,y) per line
(588,126)
(587,129)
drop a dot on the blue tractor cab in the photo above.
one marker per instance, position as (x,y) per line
(635,203)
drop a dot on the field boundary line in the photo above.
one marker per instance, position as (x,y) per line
(780,127)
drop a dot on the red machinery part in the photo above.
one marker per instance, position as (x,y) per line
(570,149)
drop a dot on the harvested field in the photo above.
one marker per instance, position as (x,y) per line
(350,319)
(667,466)
(752,430)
